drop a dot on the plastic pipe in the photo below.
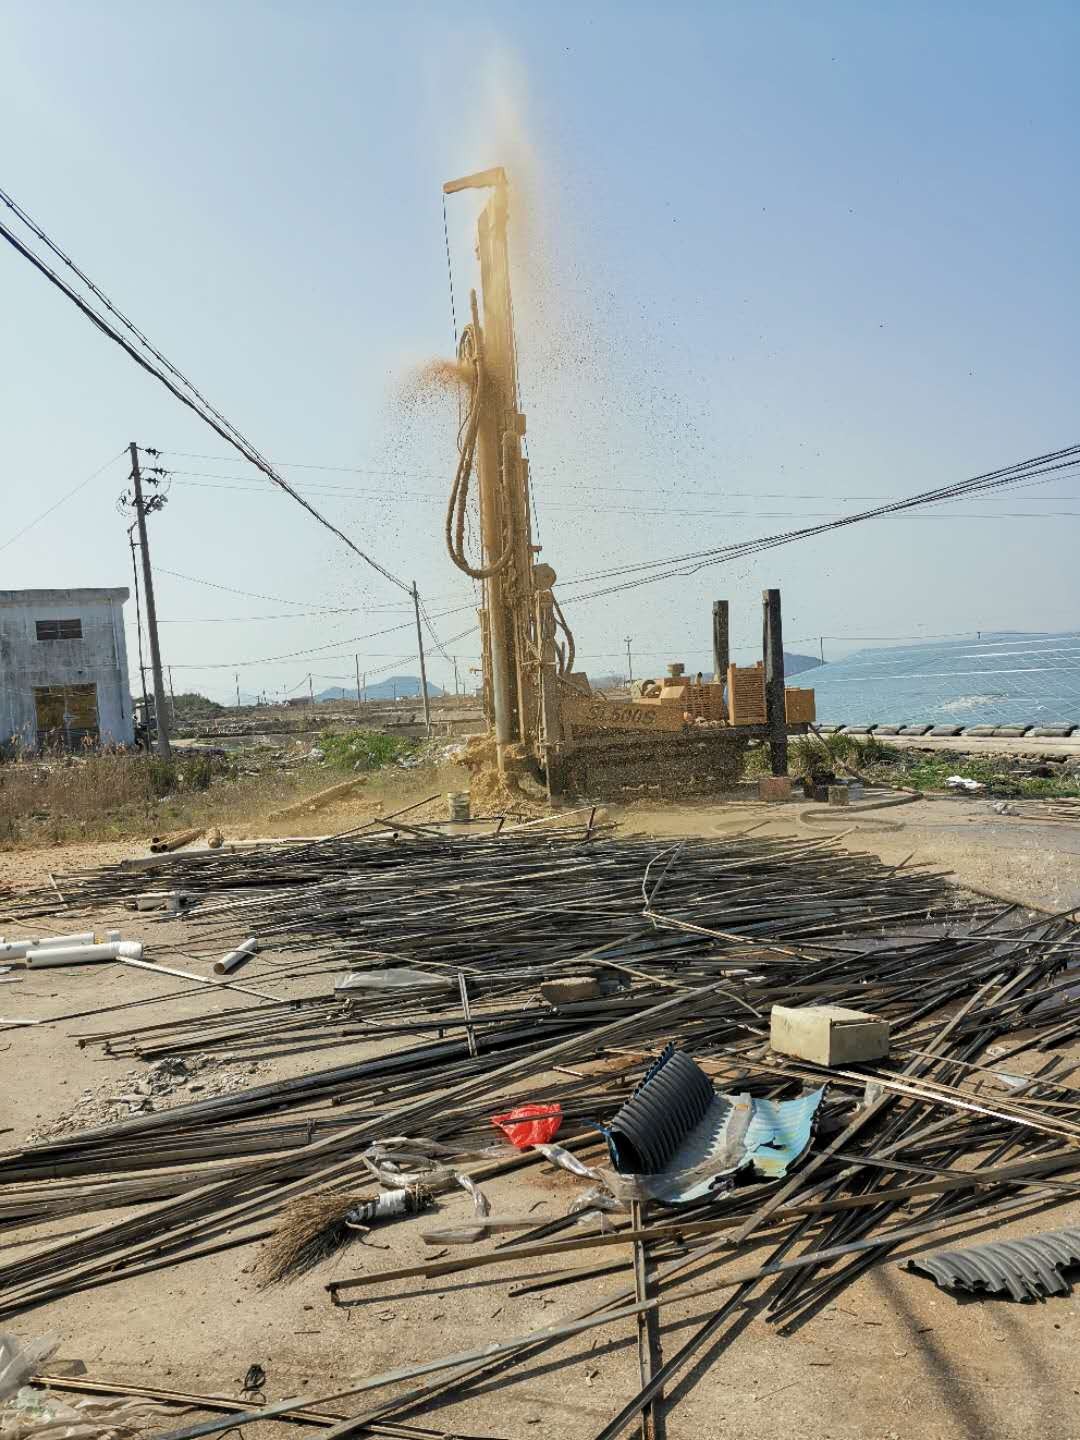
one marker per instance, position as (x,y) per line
(235,958)
(171,900)
(84,954)
(16,949)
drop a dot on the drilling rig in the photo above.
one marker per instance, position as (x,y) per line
(541,713)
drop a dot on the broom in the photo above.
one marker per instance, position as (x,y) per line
(314,1227)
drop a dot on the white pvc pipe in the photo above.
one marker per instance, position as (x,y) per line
(16,949)
(84,954)
(171,900)
(235,958)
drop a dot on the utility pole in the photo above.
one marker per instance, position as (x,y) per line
(357,659)
(163,747)
(237,679)
(423,666)
(138,623)
(775,697)
(457,690)
(364,686)
(721,641)
(629,662)
(311,689)
(821,648)
(172,699)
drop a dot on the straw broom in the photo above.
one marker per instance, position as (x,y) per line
(314,1227)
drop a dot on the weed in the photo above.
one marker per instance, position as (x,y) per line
(364,749)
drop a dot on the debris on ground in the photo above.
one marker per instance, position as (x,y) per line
(169,1082)
(694,1161)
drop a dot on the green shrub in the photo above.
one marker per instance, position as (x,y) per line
(364,749)
(162,776)
(196,773)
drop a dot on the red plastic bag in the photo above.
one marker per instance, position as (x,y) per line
(529,1124)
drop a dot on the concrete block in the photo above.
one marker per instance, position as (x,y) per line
(945,730)
(914,729)
(983,731)
(856,730)
(773,788)
(839,795)
(572,988)
(886,729)
(1011,732)
(828,1034)
(1054,732)
(827,729)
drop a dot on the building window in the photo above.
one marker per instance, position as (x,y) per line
(59,629)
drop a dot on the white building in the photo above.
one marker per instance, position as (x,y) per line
(63,669)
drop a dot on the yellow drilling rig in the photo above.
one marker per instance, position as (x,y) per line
(679,735)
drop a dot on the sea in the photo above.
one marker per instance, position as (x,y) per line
(987,679)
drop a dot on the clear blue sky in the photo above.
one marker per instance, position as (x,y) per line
(768,258)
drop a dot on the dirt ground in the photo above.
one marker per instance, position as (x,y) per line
(896,1358)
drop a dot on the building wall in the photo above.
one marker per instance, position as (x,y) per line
(98,658)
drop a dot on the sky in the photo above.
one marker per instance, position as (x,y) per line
(769,262)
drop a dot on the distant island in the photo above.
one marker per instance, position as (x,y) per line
(397,687)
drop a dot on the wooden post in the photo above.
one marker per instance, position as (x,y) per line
(773,654)
(721,651)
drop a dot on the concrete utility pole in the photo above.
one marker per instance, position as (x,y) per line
(423,666)
(163,747)
(311,689)
(775,700)
(172,699)
(236,677)
(357,659)
(457,689)
(138,632)
(629,662)
(721,642)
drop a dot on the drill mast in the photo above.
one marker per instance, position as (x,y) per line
(521,661)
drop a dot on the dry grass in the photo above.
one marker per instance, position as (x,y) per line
(112,796)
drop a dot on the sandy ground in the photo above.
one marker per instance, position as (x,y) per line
(895,1358)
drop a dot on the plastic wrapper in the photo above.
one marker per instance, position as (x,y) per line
(34,1412)
(529,1124)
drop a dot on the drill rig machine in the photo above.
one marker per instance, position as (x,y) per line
(540,713)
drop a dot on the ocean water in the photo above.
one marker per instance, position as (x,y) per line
(1005,679)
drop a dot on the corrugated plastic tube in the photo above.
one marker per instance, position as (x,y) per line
(84,954)
(236,958)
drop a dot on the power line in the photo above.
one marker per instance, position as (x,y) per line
(199,405)
(248,484)
(316,649)
(62,501)
(688,564)
(279,600)
(620,489)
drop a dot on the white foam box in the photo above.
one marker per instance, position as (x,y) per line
(828,1034)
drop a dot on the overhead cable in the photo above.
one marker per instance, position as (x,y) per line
(193,400)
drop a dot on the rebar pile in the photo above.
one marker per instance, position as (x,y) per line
(696,942)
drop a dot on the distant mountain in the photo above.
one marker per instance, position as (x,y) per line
(795,664)
(398,687)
